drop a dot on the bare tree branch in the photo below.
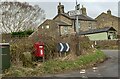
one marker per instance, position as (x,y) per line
(17,16)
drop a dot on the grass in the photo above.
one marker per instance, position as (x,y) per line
(84,61)
(57,66)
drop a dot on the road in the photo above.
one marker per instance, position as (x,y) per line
(107,69)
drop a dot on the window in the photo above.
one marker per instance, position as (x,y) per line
(78,24)
(47,26)
(103,18)
(90,26)
(42,27)
(65,30)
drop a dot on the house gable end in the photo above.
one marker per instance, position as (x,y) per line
(45,23)
(63,18)
(101,15)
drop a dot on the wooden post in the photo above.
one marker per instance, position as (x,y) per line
(57,54)
(65,54)
(43,59)
(60,54)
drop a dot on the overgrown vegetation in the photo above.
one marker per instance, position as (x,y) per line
(27,45)
(57,65)
(23,48)
(18,48)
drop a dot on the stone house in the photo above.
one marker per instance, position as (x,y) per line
(107,20)
(54,28)
(63,24)
(85,21)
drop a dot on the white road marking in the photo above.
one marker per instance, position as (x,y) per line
(82,71)
(95,68)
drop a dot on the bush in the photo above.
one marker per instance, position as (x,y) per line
(22,33)
(18,48)
(26,45)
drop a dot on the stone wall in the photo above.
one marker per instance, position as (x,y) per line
(85,25)
(8,38)
(69,29)
(106,44)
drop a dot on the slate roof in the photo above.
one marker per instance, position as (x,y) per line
(92,31)
(80,17)
(83,17)
(106,15)
(61,23)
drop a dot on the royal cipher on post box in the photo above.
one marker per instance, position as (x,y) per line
(39,49)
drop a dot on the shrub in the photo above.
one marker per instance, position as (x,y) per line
(18,48)
(22,33)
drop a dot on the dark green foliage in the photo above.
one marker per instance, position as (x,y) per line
(22,33)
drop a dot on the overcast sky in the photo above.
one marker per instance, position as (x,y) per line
(94,7)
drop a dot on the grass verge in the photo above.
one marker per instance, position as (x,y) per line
(57,66)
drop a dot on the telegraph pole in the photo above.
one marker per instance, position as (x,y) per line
(76,13)
(77,24)
(77,7)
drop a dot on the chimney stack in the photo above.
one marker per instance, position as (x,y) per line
(60,8)
(109,12)
(83,9)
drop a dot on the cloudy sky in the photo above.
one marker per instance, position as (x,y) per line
(94,7)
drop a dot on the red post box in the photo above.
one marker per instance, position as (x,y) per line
(39,49)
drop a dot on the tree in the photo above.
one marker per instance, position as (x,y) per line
(17,16)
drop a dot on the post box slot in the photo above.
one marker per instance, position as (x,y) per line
(40,46)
